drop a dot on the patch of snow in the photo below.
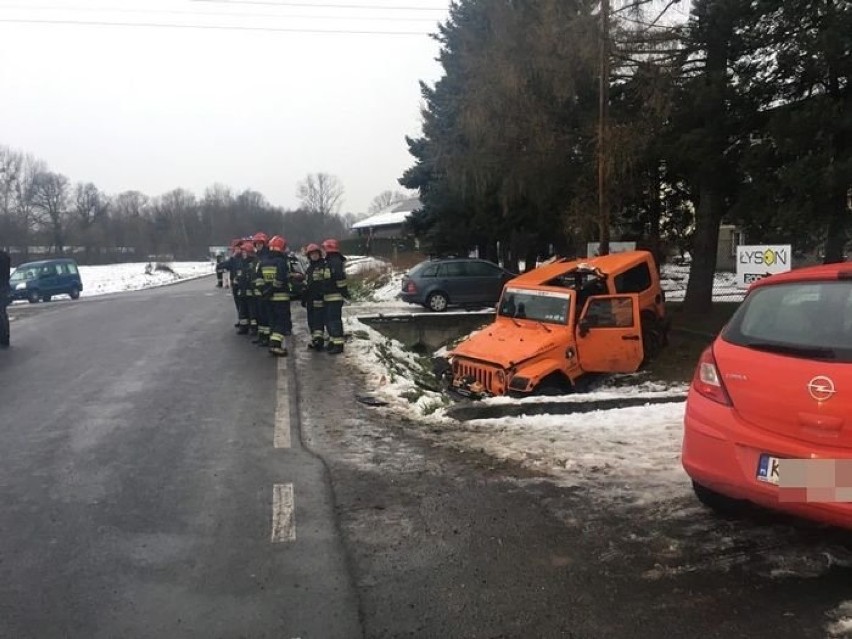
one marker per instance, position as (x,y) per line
(841,626)
(357,264)
(390,291)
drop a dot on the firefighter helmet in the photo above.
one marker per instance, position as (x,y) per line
(260,236)
(278,243)
(331,246)
(248,247)
(312,248)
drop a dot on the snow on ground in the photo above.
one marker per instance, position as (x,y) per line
(673,280)
(116,278)
(634,453)
(841,626)
(357,264)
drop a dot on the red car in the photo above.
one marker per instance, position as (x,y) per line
(769,413)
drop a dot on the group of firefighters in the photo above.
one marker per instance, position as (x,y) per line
(265,279)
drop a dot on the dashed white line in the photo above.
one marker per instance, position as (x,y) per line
(281,437)
(283,515)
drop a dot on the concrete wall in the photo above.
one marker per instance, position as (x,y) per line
(430,331)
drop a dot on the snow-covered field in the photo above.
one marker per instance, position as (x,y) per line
(118,278)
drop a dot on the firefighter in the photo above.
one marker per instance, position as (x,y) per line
(262,308)
(335,292)
(312,299)
(220,259)
(232,265)
(245,289)
(282,325)
(5,297)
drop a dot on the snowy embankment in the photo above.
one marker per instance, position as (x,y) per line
(633,452)
(118,278)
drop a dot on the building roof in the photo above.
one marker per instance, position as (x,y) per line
(393,215)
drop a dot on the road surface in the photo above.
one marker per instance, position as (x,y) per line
(161,477)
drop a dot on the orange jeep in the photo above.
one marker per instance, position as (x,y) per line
(562,320)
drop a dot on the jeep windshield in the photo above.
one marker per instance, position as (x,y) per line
(537,306)
(810,320)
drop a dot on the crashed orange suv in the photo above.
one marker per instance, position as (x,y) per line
(560,321)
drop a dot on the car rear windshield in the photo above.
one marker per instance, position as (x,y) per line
(539,306)
(811,320)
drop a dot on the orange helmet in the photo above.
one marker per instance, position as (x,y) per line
(278,243)
(260,236)
(331,246)
(248,247)
(312,248)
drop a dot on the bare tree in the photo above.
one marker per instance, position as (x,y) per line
(90,213)
(385,199)
(50,194)
(321,193)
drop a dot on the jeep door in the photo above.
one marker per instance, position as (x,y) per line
(609,335)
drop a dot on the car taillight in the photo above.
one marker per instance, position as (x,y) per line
(411,288)
(708,381)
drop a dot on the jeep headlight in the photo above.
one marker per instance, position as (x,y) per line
(21,287)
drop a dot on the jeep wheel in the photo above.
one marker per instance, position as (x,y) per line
(437,302)
(33,297)
(74,293)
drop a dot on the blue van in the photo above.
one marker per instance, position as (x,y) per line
(43,280)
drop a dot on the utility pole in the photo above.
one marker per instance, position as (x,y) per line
(603,129)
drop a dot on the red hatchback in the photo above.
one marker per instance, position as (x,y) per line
(769,413)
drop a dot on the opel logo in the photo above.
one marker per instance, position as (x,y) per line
(821,388)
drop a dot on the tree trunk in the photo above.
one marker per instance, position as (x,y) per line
(835,243)
(705,242)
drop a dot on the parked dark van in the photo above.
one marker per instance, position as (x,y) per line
(35,281)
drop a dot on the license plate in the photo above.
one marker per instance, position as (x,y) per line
(767,469)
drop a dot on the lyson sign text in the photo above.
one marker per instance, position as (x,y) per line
(756,262)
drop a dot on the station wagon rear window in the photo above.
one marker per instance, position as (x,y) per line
(811,320)
(539,306)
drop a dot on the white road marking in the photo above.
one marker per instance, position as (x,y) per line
(283,515)
(281,437)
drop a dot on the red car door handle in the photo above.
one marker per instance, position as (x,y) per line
(632,338)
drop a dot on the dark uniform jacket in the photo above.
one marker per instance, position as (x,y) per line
(5,274)
(245,276)
(315,282)
(334,275)
(273,282)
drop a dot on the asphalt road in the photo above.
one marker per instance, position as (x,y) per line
(147,459)
(137,474)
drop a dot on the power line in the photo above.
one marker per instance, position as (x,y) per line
(288,3)
(223,14)
(206,27)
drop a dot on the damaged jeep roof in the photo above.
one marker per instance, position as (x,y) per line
(607,264)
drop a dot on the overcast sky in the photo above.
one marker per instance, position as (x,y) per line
(155,108)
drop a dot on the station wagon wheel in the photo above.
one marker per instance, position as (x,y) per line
(74,293)
(437,302)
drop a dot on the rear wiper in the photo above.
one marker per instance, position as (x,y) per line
(814,352)
(544,326)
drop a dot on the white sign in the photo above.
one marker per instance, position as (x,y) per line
(592,248)
(756,262)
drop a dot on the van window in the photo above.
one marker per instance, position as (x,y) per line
(72,268)
(634,280)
